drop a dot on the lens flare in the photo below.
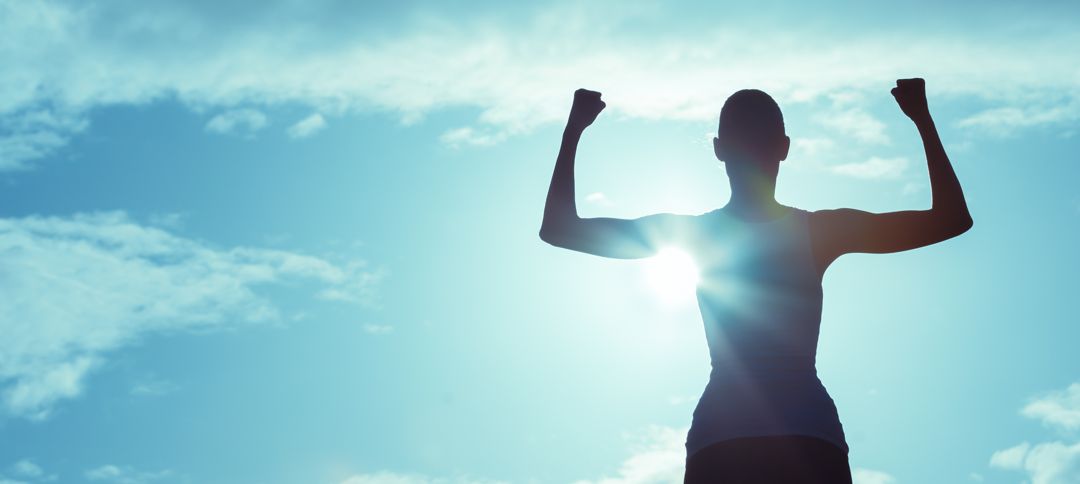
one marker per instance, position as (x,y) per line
(673,274)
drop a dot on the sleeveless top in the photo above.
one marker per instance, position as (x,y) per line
(760,301)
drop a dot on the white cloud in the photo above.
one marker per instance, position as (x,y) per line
(1011,458)
(856,123)
(386,477)
(153,387)
(1058,409)
(599,198)
(120,281)
(874,168)
(682,399)
(846,99)
(378,328)
(73,57)
(34,133)
(358,287)
(125,475)
(1007,120)
(470,136)
(27,468)
(1053,462)
(1045,463)
(243,122)
(911,188)
(659,457)
(307,126)
(812,146)
(171,221)
(868,476)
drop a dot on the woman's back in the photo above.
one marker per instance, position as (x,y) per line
(760,300)
(760,292)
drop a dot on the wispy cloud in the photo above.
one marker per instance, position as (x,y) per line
(125,475)
(26,135)
(682,399)
(244,122)
(153,387)
(1011,458)
(1045,463)
(119,281)
(28,469)
(873,168)
(378,329)
(812,147)
(517,75)
(1008,120)
(659,455)
(856,123)
(868,476)
(471,136)
(1054,462)
(599,198)
(911,188)
(307,126)
(387,477)
(1059,409)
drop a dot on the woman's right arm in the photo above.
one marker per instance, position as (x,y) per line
(606,237)
(837,232)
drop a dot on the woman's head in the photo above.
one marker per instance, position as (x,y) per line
(751,129)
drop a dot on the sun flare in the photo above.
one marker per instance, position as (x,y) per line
(673,274)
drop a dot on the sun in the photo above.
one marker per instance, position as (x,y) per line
(673,274)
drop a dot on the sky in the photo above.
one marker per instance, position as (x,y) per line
(296,241)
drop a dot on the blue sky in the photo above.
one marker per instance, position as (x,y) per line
(297,241)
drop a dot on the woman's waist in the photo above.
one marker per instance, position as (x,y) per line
(783,393)
(763,363)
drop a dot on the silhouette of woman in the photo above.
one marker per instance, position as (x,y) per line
(764,415)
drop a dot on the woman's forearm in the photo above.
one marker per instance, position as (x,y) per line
(948,196)
(561,207)
(560,211)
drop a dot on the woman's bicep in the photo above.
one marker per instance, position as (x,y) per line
(614,237)
(846,230)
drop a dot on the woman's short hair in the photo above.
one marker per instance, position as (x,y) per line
(752,117)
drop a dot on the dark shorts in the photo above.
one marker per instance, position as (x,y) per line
(780,459)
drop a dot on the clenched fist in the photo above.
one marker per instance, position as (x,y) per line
(587,106)
(910,94)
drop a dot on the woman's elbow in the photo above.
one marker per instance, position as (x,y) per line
(557,230)
(951,223)
(550,235)
(545,234)
(963,220)
(959,224)
(966,223)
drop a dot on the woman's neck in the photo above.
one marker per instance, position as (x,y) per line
(760,208)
